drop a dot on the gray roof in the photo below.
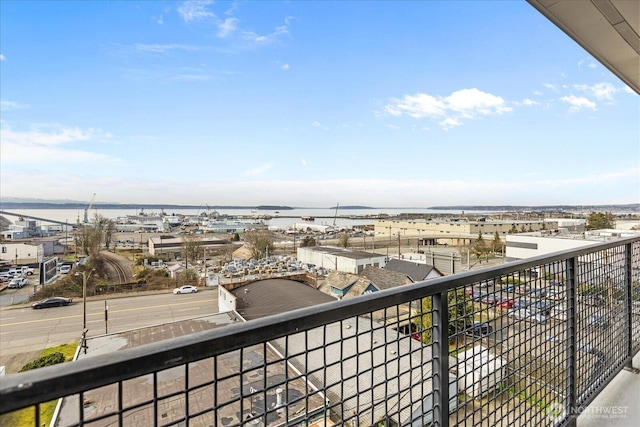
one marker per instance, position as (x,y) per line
(415,271)
(385,279)
(272,296)
(327,355)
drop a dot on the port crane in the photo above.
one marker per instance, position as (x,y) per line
(89,206)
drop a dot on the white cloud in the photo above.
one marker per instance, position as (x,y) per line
(51,144)
(192,77)
(10,105)
(449,110)
(304,162)
(450,123)
(393,127)
(195,10)
(317,124)
(550,86)
(529,102)
(604,91)
(258,170)
(592,65)
(285,67)
(161,48)
(159,19)
(578,102)
(2,57)
(227,27)
(537,93)
(267,38)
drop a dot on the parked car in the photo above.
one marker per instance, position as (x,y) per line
(52,302)
(65,269)
(186,289)
(521,303)
(543,307)
(537,293)
(527,315)
(507,302)
(598,320)
(510,288)
(478,295)
(552,294)
(485,283)
(18,282)
(490,299)
(478,328)
(559,312)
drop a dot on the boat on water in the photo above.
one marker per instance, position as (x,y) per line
(307,218)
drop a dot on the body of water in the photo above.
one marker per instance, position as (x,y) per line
(282,219)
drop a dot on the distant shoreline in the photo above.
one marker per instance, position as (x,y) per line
(633,207)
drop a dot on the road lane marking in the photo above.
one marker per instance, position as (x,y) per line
(101,313)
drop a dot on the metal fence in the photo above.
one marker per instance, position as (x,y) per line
(525,343)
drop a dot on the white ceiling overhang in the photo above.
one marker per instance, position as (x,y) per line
(607,29)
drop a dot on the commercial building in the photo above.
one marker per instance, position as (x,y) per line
(340,259)
(456,232)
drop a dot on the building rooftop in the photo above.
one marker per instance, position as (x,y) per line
(273,296)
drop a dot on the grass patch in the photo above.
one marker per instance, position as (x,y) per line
(26,417)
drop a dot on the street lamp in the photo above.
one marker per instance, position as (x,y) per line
(85,279)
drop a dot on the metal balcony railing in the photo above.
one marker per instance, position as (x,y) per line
(525,343)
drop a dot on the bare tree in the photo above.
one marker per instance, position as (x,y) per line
(259,243)
(344,240)
(497,244)
(191,248)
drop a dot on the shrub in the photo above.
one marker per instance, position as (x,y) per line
(41,362)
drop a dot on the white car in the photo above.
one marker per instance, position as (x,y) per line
(527,315)
(17,282)
(65,269)
(186,289)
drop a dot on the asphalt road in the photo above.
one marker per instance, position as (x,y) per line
(24,331)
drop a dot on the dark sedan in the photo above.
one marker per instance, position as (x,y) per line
(52,302)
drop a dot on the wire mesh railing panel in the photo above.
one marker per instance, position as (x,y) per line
(523,344)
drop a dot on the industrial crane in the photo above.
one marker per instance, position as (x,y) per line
(86,210)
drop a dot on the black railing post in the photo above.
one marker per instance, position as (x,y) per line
(571,401)
(440,355)
(628,281)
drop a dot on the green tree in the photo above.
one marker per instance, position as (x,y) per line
(600,220)
(344,240)
(307,241)
(460,311)
(259,243)
(497,245)
(479,247)
(109,229)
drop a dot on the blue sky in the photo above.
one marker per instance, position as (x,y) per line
(300,103)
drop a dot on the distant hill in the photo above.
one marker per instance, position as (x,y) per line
(632,207)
